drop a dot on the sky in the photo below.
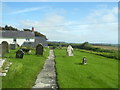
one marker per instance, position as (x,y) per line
(73,22)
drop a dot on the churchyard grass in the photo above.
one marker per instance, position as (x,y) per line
(23,72)
(100,72)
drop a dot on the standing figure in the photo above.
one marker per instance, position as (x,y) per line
(69,50)
(84,60)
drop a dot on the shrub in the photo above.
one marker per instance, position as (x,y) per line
(105,54)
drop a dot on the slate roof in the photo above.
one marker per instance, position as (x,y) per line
(17,34)
(41,40)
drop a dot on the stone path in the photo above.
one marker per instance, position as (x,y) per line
(47,77)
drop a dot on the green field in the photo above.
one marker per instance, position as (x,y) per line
(100,72)
(23,72)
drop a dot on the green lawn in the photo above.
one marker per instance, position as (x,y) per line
(23,72)
(100,72)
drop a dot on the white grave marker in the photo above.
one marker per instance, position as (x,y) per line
(70,50)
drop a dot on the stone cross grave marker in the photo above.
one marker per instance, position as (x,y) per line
(5,48)
(70,51)
(19,54)
(39,49)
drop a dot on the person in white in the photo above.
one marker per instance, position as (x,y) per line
(70,50)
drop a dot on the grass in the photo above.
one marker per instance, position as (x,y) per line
(23,72)
(100,72)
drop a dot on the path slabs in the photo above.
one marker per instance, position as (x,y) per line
(47,77)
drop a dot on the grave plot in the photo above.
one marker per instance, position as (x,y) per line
(1,62)
(23,71)
(73,72)
(4,67)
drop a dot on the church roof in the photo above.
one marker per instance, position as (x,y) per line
(17,34)
(41,39)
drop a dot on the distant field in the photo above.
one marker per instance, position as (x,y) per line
(100,72)
(107,47)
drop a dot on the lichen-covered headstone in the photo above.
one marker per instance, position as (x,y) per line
(70,51)
(19,54)
(39,49)
(5,48)
(13,46)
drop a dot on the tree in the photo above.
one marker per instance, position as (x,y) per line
(9,28)
(85,45)
(6,27)
(27,30)
(36,33)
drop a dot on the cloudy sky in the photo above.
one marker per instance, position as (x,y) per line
(76,22)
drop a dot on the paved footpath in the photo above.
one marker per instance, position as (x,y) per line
(47,77)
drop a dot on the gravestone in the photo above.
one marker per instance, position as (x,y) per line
(39,49)
(13,46)
(19,54)
(5,48)
(70,51)
(84,60)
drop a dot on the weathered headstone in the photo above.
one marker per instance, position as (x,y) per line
(13,46)
(70,51)
(39,49)
(5,48)
(84,60)
(19,54)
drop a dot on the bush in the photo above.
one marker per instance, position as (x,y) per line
(85,45)
(105,54)
(26,50)
(26,47)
